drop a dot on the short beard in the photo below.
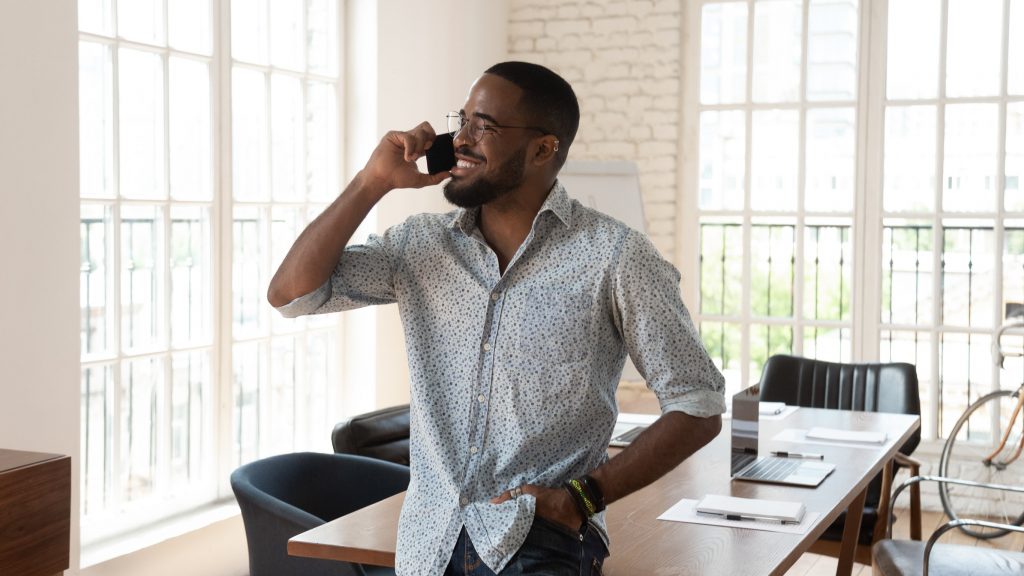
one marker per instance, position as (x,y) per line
(483,190)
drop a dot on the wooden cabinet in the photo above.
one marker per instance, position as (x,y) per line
(35,513)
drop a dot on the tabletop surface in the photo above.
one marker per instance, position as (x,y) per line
(11,459)
(641,544)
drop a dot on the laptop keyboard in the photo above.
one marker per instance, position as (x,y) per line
(771,469)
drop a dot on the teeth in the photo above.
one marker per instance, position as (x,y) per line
(466,164)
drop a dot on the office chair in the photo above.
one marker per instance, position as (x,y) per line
(282,496)
(913,558)
(869,387)
(382,434)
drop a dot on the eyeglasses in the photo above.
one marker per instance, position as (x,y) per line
(477,127)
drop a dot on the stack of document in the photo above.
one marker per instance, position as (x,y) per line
(733,508)
(837,435)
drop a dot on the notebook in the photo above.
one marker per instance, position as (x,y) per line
(746,465)
(752,508)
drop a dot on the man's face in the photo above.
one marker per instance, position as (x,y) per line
(495,164)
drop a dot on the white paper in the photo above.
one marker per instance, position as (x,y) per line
(781,415)
(686,511)
(770,408)
(799,436)
(839,435)
(632,419)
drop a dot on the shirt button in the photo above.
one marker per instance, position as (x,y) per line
(487,345)
(480,398)
(473,449)
(464,501)
(495,296)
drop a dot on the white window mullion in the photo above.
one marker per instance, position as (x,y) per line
(1000,183)
(223,242)
(117,441)
(746,376)
(865,307)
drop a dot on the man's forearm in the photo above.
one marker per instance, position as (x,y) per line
(663,446)
(316,251)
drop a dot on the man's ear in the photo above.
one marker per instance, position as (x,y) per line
(546,150)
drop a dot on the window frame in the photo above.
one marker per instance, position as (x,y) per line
(869,215)
(111,524)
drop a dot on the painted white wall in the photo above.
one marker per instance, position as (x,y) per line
(429,53)
(39,230)
(424,56)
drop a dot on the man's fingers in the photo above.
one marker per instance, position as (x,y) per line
(508,494)
(418,140)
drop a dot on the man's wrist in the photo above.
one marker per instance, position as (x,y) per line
(367,184)
(586,494)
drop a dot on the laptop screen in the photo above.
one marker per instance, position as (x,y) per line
(745,414)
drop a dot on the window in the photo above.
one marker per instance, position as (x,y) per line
(858,185)
(201,161)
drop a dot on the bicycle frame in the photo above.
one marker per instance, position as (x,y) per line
(999,355)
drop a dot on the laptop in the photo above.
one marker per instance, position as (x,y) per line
(746,465)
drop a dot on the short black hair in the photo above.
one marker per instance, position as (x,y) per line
(547,98)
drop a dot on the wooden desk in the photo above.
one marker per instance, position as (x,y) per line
(35,513)
(641,544)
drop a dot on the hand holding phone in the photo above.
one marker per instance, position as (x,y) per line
(441,154)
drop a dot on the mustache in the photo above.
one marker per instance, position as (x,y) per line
(464,151)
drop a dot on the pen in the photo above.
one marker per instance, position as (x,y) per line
(806,455)
(742,518)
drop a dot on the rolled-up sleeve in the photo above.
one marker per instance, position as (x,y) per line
(364,276)
(659,334)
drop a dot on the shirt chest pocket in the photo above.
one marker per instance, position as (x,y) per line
(553,327)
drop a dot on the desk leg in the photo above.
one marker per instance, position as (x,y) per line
(851,534)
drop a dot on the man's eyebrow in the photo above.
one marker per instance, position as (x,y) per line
(487,117)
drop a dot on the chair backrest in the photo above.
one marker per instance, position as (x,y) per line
(871,387)
(282,496)
(811,383)
(382,434)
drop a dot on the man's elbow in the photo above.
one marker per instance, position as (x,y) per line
(709,428)
(276,296)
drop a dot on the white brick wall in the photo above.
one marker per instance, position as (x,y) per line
(623,60)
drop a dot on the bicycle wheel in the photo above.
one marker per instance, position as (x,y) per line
(974,436)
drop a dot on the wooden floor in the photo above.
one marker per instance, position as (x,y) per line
(815,565)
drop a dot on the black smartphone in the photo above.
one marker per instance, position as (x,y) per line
(441,154)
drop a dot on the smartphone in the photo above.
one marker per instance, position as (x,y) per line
(441,154)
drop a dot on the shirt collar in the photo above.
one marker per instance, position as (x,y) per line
(557,202)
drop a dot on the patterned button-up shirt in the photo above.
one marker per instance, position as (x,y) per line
(513,375)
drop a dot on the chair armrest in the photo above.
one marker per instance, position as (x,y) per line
(942,480)
(914,465)
(908,461)
(964,522)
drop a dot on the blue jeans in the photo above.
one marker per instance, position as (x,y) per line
(549,550)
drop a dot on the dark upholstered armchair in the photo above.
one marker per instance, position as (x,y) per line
(382,434)
(869,387)
(285,495)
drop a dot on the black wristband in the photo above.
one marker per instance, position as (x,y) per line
(593,492)
(577,500)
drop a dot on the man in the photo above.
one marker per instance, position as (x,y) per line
(518,309)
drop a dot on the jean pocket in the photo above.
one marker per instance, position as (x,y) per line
(552,526)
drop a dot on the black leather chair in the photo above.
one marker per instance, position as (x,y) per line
(285,495)
(381,434)
(869,387)
(914,558)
